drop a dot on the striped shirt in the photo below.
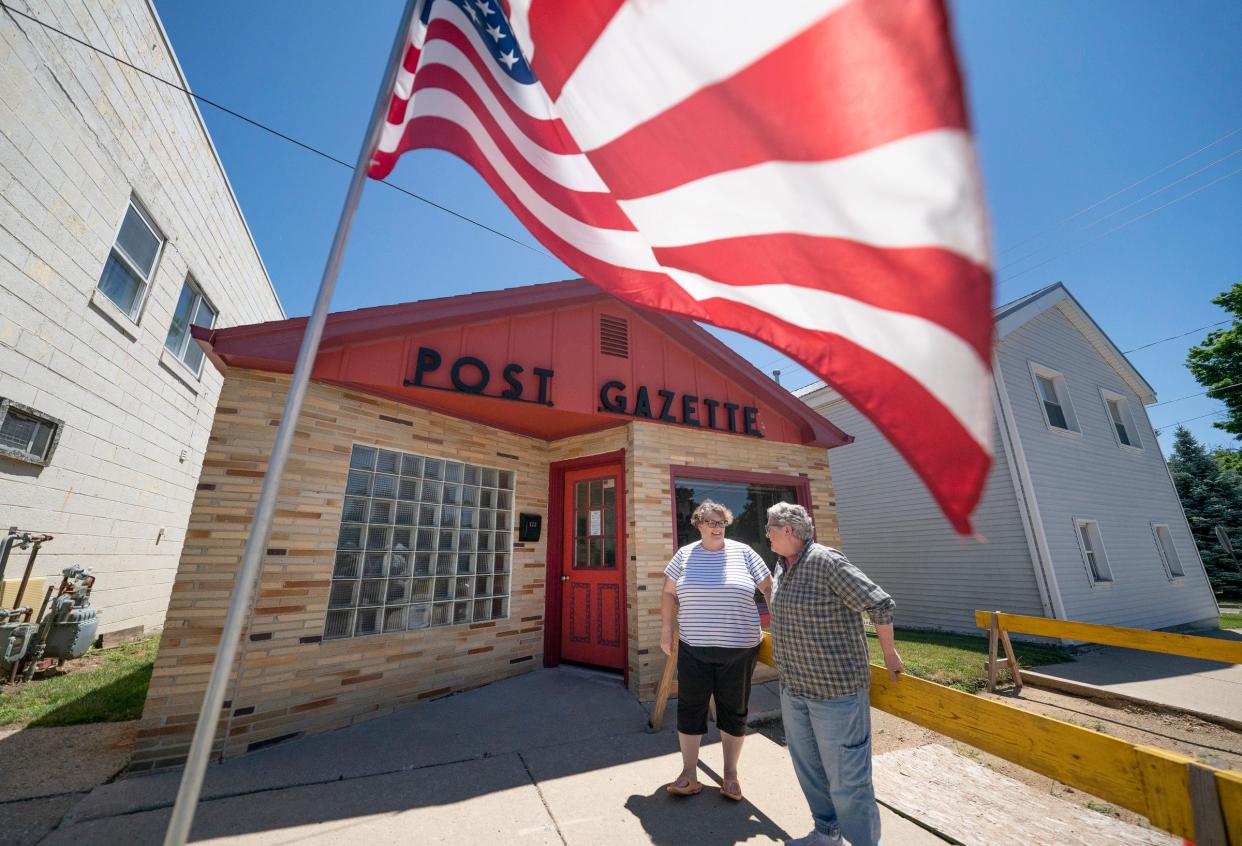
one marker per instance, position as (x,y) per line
(716,594)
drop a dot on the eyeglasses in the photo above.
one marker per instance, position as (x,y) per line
(769,528)
(714,524)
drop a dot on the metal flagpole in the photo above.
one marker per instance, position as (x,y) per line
(239,604)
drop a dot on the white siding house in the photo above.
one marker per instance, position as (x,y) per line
(118,228)
(1079,520)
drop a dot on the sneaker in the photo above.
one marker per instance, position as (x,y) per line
(817,838)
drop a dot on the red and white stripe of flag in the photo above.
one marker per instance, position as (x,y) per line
(800,172)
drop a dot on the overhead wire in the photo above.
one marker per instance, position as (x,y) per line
(1219,390)
(1132,220)
(1121,191)
(1128,205)
(283,136)
(1159,429)
(1175,337)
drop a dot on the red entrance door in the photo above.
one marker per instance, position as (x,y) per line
(592,580)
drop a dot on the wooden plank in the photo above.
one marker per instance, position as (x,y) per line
(1014,669)
(765,650)
(990,809)
(992,630)
(1205,807)
(1096,763)
(120,636)
(665,687)
(1165,781)
(1170,643)
(1229,789)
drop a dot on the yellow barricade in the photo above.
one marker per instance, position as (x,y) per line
(1188,646)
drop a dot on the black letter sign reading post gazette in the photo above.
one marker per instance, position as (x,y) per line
(470,375)
(671,407)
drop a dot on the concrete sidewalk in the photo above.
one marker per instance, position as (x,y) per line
(554,756)
(1207,689)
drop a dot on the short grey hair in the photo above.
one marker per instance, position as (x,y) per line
(703,513)
(794,516)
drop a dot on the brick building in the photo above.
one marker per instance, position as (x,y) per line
(118,228)
(479,486)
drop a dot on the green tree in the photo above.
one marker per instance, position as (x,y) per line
(1216,363)
(1228,459)
(1211,496)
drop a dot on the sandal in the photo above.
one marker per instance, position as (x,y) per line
(690,787)
(731,788)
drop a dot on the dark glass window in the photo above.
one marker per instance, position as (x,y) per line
(749,502)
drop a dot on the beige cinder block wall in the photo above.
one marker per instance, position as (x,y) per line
(290,681)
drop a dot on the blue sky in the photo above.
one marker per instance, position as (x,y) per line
(1071,102)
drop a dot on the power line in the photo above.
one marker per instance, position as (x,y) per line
(1128,205)
(1100,202)
(1219,390)
(259,125)
(1160,429)
(1175,337)
(1074,249)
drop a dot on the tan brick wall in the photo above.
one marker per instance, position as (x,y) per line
(290,682)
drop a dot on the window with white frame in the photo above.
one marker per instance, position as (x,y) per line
(1118,408)
(131,262)
(1053,395)
(192,310)
(1168,553)
(26,434)
(1092,547)
(423,542)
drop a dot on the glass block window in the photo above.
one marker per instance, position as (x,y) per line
(423,542)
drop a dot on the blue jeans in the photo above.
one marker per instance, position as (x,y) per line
(830,743)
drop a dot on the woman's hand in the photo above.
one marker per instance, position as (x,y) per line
(666,641)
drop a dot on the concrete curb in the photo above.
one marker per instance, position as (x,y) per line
(1101,694)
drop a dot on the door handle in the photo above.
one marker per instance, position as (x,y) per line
(564,578)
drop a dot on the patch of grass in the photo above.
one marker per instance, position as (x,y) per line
(1230,620)
(101,687)
(1103,808)
(957,660)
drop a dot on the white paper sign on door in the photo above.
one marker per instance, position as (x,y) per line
(597,522)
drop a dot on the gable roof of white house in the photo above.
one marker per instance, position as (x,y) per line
(1013,315)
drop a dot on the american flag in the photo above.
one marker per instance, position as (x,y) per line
(801,172)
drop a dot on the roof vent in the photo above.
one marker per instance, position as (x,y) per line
(614,336)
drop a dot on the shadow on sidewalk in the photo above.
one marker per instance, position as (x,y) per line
(552,736)
(666,818)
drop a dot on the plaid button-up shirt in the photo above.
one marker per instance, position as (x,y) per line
(818,640)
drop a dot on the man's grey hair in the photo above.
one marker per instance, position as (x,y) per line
(794,516)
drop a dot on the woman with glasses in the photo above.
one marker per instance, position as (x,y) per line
(711,584)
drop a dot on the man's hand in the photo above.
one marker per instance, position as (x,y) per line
(666,642)
(893,663)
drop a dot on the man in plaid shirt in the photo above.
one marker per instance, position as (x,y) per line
(820,649)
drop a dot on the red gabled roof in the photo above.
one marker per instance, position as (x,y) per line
(372,349)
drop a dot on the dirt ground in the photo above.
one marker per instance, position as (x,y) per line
(1207,742)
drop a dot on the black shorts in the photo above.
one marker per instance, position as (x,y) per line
(707,671)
